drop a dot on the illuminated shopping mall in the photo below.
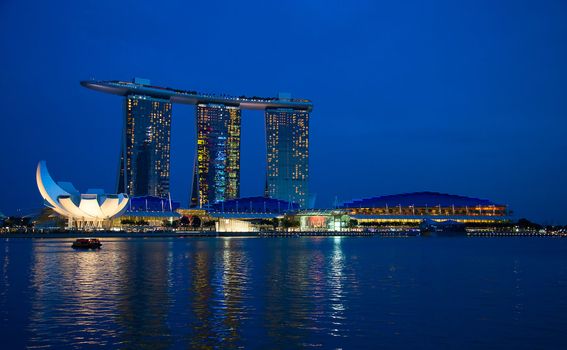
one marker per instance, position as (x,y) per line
(415,207)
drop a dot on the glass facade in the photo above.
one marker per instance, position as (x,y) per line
(287,142)
(144,159)
(217,165)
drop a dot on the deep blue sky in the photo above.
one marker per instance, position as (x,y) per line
(463,97)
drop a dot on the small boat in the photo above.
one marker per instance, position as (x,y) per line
(87,243)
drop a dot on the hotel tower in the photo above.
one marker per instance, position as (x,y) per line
(287,143)
(144,157)
(217,163)
(144,161)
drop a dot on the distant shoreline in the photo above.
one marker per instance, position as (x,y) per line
(213,234)
(182,234)
(104,234)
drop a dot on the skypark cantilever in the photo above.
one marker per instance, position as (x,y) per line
(124,88)
(144,162)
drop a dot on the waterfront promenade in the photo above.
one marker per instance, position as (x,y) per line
(291,234)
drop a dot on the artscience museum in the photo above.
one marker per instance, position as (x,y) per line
(91,210)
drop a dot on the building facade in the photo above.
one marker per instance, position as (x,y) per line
(91,210)
(216,174)
(413,208)
(144,163)
(144,168)
(287,163)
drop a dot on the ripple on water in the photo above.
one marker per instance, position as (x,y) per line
(285,293)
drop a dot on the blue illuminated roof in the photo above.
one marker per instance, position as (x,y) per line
(254,205)
(153,214)
(418,199)
(151,203)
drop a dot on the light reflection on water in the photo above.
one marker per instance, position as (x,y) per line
(284,293)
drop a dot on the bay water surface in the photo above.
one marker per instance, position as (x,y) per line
(265,293)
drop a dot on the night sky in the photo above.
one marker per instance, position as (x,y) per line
(461,97)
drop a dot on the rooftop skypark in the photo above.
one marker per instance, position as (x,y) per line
(144,87)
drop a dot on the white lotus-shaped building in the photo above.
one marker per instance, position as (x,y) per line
(87,210)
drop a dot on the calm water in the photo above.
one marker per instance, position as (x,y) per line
(466,293)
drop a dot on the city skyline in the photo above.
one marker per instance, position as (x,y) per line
(439,97)
(283,174)
(144,164)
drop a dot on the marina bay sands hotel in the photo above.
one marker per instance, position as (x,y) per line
(145,156)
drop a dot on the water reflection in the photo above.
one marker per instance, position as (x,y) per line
(115,296)
(144,293)
(144,299)
(305,301)
(233,292)
(335,287)
(201,328)
(277,293)
(66,283)
(220,292)
(7,288)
